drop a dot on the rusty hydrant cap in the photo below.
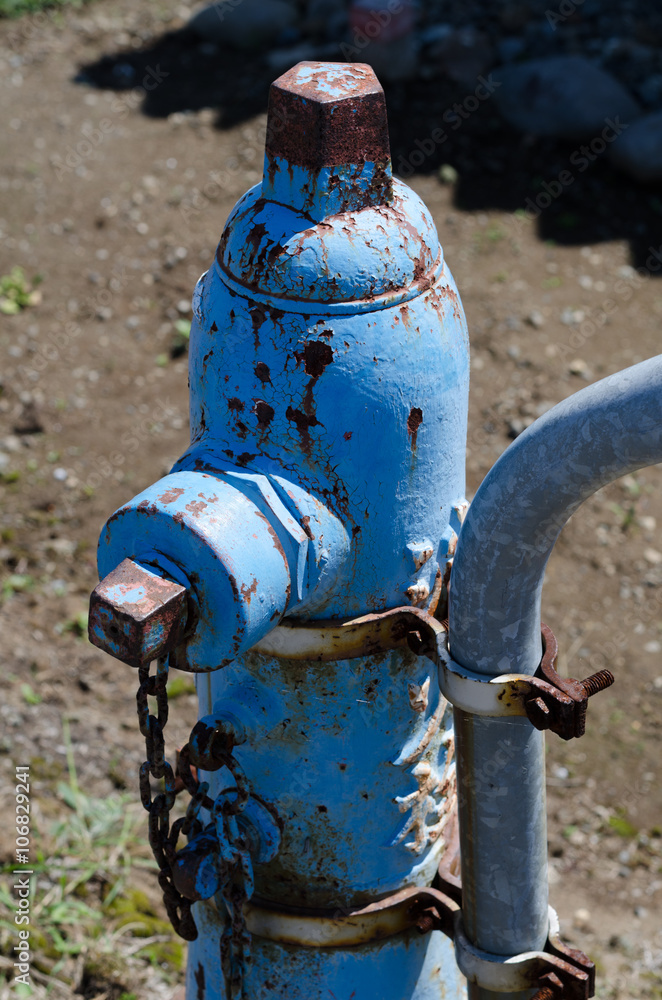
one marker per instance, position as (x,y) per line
(328,223)
(327,114)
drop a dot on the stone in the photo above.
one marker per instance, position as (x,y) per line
(581,919)
(566,97)
(393,61)
(325,19)
(463,54)
(244,24)
(638,151)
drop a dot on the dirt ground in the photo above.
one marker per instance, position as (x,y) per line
(120,211)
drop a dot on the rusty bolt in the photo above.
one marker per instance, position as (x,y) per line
(137,615)
(546,993)
(538,713)
(428,921)
(327,114)
(597,682)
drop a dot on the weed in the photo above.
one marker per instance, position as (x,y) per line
(29,696)
(76,626)
(180,339)
(626,515)
(16,583)
(93,930)
(621,825)
(14,8)
(179,686)
(16,292)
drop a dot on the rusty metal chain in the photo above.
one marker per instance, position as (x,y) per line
(233,850)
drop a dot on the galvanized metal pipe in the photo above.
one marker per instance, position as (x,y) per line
(601,433)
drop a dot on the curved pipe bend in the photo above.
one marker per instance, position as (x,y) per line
(595,436)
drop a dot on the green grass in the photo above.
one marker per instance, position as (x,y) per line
(16,291)
(92,925)
(14,8)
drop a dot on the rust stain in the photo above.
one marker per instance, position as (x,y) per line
(233,584)
(247,592)
(213,328)
(196,507)
(264,413)
(200,982)
(235,405)
(414,421)
(262,372)
(418,695)
(303,421)
(149,508)
(305,524)
(316,356)
(245,458)
(347,435)
(171,495)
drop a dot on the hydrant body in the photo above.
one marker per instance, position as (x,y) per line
(323,484)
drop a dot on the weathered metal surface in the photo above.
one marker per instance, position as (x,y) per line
(325,641)
(333,746)
(327,148)
(385,918)
(136,614)
(406,965)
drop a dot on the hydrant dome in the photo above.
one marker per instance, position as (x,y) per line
(382,250)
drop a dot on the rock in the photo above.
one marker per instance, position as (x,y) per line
(535,319)
(638,151)
(280,60)
(510,48)
(581,919)
(29,421)
(463,55)
(448,174)
(393,61)
(244,24)
(567,97)
(650,91)
(579,367)
(325,19)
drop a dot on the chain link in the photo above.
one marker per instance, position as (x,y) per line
(235,941)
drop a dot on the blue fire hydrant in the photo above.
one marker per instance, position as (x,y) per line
(297,559)
(321,495)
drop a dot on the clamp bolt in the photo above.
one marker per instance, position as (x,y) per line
(597,682)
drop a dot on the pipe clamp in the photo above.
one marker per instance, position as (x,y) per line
(564,967)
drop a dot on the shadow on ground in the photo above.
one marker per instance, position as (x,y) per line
(497,168)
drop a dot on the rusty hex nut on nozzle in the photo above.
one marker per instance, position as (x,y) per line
(137,615)
(327,114)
